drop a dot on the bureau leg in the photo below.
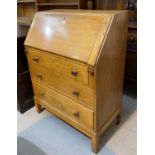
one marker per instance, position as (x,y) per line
(95,143)
(38,108)
(118,119)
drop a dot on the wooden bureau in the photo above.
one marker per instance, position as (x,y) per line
(76,61)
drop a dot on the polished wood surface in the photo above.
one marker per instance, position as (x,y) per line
(110,71)
(68,86)
(64,67)
(57,33)
(65,105)
(62,116)
(78,69)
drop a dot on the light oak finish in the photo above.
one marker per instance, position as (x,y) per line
(60,102)
(61,37)
(77,69)
(55,64)
(110,68)
(62,116)
(68,86)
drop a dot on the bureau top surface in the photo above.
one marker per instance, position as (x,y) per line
(74,35)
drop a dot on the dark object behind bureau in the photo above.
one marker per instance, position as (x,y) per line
(24,85)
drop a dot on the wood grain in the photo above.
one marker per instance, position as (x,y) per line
(63,84)
(61,103)
(90,42)
(59,65)
(57,33)
(110,70)
(67,119)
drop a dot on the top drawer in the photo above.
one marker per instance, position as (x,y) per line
(56,64)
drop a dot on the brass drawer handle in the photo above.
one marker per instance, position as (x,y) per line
(74,72)
(36,59)
(76,114)
(39,76)
(42,94)
(76,93)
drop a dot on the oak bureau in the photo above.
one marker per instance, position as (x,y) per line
(76,60)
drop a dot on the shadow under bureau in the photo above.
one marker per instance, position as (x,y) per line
(76,61)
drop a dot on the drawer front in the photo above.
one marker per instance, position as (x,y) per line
(63,104)
(58,65)
(70,87)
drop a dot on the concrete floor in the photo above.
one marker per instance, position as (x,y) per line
(120,140)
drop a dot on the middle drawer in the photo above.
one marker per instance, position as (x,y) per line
(69,87)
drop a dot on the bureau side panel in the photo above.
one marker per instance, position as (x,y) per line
(110,71)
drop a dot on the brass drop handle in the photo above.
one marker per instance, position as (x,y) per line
(42,94)
(74,72)
(36,59)
(76,114)
(76,93)
(39,76)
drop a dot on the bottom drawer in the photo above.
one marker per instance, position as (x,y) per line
(64,105)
